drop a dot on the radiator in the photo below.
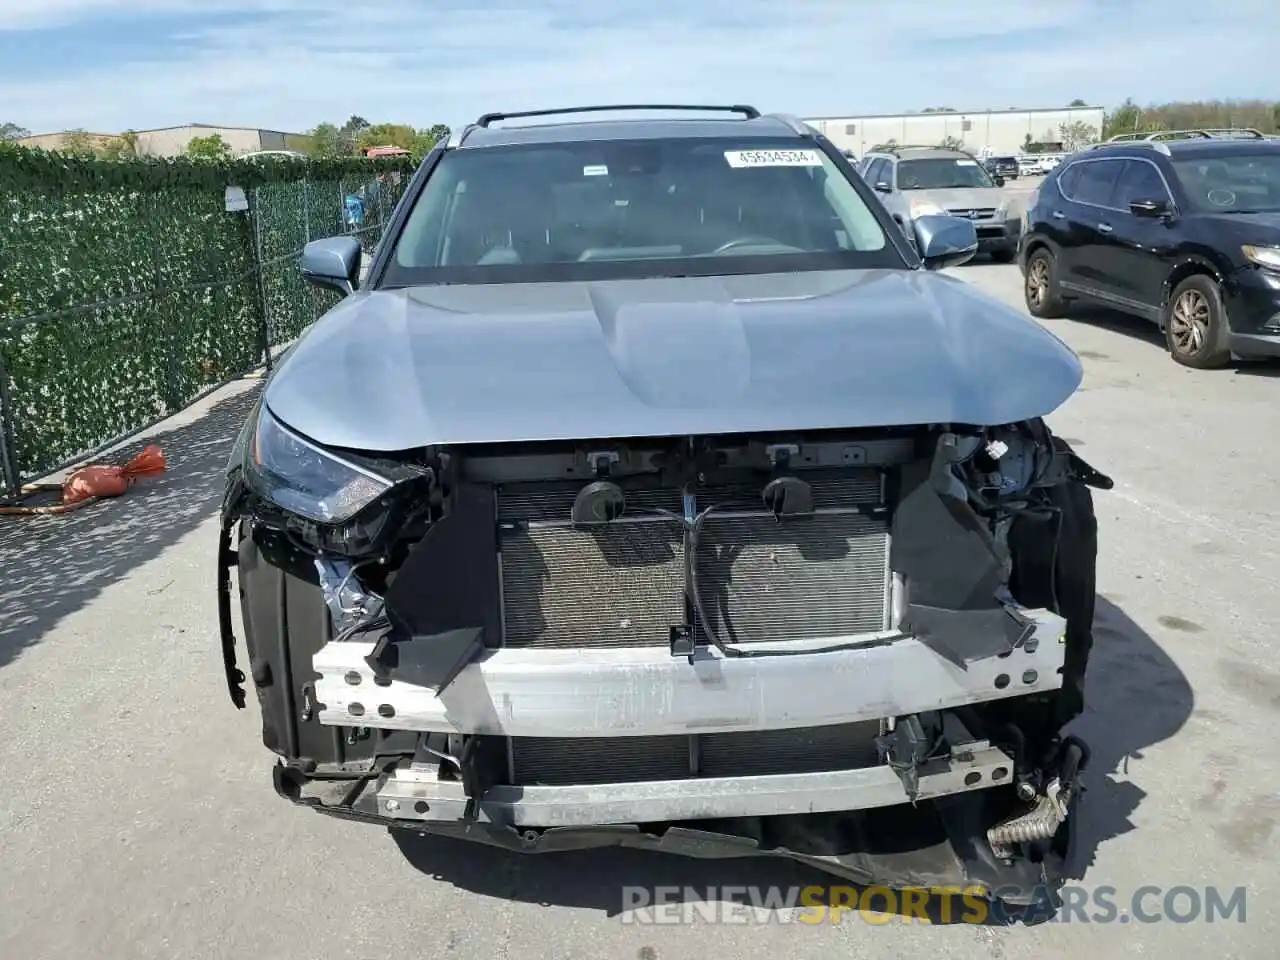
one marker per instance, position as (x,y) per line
(622,584)
(570,761)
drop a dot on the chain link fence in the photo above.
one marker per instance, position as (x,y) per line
(129,290)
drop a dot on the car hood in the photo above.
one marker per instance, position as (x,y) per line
(1257,228)
(396,369)
(960,198)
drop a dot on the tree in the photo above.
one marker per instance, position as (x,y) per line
(11,131)
(387,135)
(77,143)
(1077,102)
(1076,135)
(324,140)
(357,134)
(122,147)
(1129,117)
(1124,119)
(212,147)
(428,137)
(349,133)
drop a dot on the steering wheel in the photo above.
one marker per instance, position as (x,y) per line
(751,241)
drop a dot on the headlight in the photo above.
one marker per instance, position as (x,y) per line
(1263,256)
(926,210)
(302,478)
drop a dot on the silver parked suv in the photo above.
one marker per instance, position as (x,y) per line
(915,182)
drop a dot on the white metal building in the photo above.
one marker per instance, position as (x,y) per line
(986,132)
(172,141)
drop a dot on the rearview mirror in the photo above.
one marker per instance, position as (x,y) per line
(1153,209)
(945,241)
(333,263)
(883,187)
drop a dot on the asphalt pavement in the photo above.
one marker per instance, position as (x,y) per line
(137,818)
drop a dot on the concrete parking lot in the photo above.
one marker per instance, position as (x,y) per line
(137,818)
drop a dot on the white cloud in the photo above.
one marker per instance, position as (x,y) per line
(325,59)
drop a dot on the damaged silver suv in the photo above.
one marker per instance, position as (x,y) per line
(651,490)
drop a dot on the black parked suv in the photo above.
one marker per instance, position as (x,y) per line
(1006,167)
(1183,232)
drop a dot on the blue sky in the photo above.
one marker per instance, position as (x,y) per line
(108,65)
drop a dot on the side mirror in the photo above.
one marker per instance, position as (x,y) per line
(1151,209)
(999,180)
(945,241)
(333,263)
(882,186)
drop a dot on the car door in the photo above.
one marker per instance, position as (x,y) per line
(1085,212)
(1138,250)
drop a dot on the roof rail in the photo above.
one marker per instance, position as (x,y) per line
(1236,133)
(1196,133)
(751,113)
(898,147)
(1155,135)
(1158,145)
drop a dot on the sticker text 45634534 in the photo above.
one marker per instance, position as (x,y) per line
(773,158)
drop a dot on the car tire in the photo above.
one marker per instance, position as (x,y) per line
(1195,324)
(1040,286)
(1004,254)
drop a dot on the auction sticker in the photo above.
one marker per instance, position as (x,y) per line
(773,158)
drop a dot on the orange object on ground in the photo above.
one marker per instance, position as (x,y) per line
(96,482)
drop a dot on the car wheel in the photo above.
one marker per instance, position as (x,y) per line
(1040,286)
(1195,324)
(1004,254)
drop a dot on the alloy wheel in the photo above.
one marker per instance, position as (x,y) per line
(1189,322)
(1038,282)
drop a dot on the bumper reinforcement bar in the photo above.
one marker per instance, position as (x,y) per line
(644,691)
(414,792)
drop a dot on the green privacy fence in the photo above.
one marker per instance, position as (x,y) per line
(130,289)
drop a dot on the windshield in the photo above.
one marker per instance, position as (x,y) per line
(1239,183)
(597,210)
(942,173)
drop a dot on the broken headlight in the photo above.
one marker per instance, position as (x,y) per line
(305,479)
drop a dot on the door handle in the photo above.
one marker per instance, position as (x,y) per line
(1104,227)
(1059,215)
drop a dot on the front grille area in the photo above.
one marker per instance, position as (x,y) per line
(974,213)
(622,584)
(585,761)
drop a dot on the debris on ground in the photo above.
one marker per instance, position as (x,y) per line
(92,483)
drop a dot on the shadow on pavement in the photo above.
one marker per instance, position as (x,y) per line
(1140,329)
(55,565)
(1116,322)
(1136,697)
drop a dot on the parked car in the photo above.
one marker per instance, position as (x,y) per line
(1005,167)
(1030,166)
(651,491)
(1182,232)
(926,181)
